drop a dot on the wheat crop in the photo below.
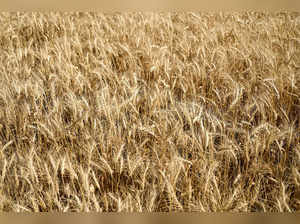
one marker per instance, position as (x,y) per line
(150,112)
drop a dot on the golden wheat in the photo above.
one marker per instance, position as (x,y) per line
(150,112)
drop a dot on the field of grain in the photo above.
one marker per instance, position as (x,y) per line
(150,112)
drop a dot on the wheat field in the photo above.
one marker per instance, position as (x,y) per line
(150,112)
